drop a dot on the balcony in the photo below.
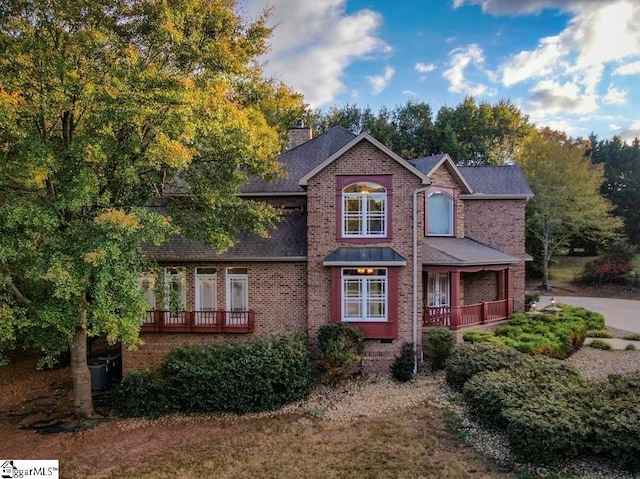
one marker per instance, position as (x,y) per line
(470,315)
(161,321)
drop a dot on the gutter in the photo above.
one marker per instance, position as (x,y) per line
(415,277)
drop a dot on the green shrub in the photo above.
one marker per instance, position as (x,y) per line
(599,333)
(478,336)
(599,344)
(489,393)
(467,360)
(258,376)
(631,347)
(547,428)
(143,394)
(438,345)
(633,337)
(617,428)
(530,298)
(402,367)
(341,344)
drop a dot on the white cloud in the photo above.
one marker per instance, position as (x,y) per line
(314,42)
(628,69)
(409,93)
(569,67)
(549,96)
(460,59)
(379,82)
(615,96)
(424,67)
(632,132)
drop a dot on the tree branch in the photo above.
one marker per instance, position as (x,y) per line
(17,294)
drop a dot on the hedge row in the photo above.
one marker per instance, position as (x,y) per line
(258,376)
(547,410)
(546,334)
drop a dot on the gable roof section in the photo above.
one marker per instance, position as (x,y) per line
(287,242)
(298,161)
(429,164)
(497,182)
(363,137)
(461,252)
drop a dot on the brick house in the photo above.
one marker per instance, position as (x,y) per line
(367,237)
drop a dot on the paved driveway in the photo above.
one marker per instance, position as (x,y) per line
(619,313)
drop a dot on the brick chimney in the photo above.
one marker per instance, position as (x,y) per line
(298,135)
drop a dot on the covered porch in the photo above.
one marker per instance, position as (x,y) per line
(465,284)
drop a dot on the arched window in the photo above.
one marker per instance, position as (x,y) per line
(440,214)
(364,210)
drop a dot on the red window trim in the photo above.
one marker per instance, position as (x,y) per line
(343,181)
(371,330)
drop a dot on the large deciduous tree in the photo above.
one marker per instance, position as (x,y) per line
(107,108)
(567,201)
(621,163)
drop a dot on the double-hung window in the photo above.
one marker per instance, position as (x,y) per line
(438,289)
(364,210)
(206,289)
(440,214)
(364,294)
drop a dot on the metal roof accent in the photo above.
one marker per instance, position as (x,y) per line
(438,250)
(364,256)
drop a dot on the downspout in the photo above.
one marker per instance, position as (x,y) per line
(415,277)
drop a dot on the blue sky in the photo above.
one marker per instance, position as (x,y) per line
(573,65)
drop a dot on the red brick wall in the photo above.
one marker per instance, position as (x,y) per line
(480,287)
(277,294)
(362,159)
(501,224)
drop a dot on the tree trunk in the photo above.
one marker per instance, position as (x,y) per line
(545,262)
(82,399)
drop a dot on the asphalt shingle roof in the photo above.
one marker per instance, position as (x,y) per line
(300,160)
(287,241)
(496,180)
(461,252)
(427,163)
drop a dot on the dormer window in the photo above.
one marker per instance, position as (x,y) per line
(364,207)
(440,214)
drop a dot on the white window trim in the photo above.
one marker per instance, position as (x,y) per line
(182,277)
(231,278)
(365,297)
(436,277)
(198,297)
(151,278)
(451,215)
(364,215)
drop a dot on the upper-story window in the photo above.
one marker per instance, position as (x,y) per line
(440,214)
(364,207)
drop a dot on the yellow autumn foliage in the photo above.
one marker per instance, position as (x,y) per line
(119,218)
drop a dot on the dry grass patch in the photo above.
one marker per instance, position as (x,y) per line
(412,443)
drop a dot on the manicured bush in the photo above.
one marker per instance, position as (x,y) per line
(258,376)
(402,367)
(467,360)
(143,394)
(341,344)
(599,333)
(633,337)
(547,428)
(489,393)
(478,336)
(599,344)
(438,345)
(631,347)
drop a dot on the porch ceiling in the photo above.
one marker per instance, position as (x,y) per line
(461,252)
